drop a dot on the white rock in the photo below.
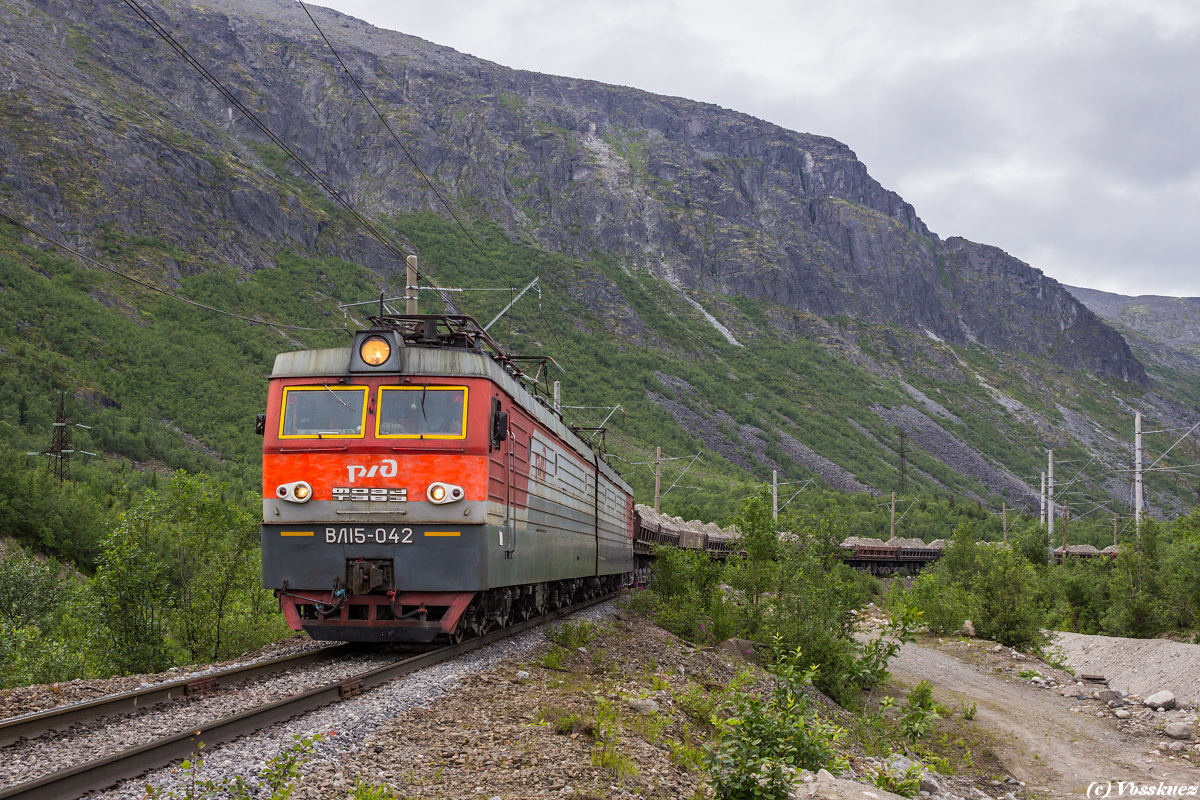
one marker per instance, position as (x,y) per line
(1121,713)
(824,775)
(644,706)
(522,675)
(1161,700)
(1178,730)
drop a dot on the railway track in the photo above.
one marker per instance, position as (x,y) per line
(104,772)
(30,726)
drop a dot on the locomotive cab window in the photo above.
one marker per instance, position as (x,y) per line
(318,412)
(422,412)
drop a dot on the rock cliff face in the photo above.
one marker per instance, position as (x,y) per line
(104,130)
(1174,321)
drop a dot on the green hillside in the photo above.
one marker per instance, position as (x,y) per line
(168,386)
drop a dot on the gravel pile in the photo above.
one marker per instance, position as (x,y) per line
(27,760)
(1137,666)
(346,725)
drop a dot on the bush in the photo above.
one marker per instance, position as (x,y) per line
(944,606)
(919,712)
(768,741)
(686,597)
(29,589)
(1003,589)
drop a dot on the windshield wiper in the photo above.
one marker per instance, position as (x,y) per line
(335,397)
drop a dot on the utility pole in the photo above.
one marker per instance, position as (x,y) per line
(1137,473)
(1004,518)
(558,397)
(657,476)
(410,286)
(1042,519)
(893,526)
(60,450)
(1050,503)
(1114,530)
(775,495)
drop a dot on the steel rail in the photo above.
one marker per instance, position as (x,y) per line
(31,726)
(105,772)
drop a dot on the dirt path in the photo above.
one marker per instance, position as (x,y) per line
(1038,738)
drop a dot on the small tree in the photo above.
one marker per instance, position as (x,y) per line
(1004,587)
(132,592)
(1135,589)
(28,588)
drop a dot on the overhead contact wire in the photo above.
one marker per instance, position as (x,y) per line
(150,286)
(432,187)
(166,36)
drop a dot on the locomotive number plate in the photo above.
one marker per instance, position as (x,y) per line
(372,495)
(364,535)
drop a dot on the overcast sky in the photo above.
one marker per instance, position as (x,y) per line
(1066,133)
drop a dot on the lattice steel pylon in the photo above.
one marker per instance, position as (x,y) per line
(60,450)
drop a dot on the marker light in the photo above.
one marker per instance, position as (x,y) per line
(442,493)
(375,350)
(294,492)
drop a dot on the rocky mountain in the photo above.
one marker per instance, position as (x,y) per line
(1174,321)
(710,247)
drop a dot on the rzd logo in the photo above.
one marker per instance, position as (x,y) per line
(387,470)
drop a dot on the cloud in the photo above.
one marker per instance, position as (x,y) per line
(1063,132)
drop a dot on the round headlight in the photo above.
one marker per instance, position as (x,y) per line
(440,493)
(375,350)
(294,492)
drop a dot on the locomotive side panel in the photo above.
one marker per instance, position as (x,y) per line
(615,525)
(546,529)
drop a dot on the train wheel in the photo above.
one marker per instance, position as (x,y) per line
(460,633)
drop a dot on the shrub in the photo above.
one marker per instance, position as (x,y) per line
(943,606)
(919,712)
(572,635)
(769,740)
(1003,589)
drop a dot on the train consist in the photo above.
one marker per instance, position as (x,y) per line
(414,487)
(652,528)
(890,557)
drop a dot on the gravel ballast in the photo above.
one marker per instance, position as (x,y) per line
(345,725)
(26,700)
(27,760)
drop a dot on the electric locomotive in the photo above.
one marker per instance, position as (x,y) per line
(413,486)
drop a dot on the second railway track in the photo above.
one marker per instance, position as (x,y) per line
(108,770)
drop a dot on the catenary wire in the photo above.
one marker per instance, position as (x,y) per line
(183,52)
(150,286)
(545,327)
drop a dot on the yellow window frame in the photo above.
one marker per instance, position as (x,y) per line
(429,388)
(362,423)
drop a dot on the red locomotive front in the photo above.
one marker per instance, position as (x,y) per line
(407,493)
